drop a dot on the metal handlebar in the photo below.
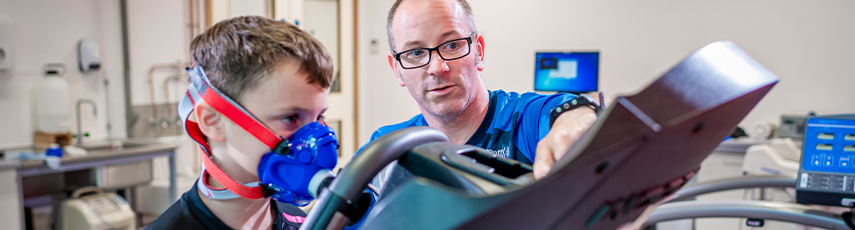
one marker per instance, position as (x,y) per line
(354,178)
(769,210)
(691,191)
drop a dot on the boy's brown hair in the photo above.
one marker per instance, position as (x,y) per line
(238,53)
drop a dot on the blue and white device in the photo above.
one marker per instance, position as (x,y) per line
(826,173)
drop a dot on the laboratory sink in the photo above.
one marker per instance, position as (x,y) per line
(118,145)
(111,146)
(125,174)
(105,165)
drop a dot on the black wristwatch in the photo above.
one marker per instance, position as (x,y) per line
(579,101)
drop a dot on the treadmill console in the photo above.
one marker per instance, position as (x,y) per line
(826,173)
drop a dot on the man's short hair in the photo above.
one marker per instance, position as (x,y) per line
(238,53)
(466,8)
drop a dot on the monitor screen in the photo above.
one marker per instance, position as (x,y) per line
(576,72)
(829,145)
(828,151)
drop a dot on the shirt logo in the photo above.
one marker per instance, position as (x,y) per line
(502,152)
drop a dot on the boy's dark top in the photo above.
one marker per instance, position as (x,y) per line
(190,213)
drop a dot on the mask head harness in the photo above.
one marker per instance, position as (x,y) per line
(290,173)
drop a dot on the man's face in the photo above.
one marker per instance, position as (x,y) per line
(284,101)
(443,88)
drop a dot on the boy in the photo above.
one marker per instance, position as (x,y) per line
(256,82)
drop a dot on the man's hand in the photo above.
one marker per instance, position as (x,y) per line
(568,127)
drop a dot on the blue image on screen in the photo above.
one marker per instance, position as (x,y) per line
(576,72)
(829,145)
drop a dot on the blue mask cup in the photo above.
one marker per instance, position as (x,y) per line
(294,175)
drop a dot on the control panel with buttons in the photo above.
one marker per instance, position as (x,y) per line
(827,174)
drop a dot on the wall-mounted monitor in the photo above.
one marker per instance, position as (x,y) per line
(575,72)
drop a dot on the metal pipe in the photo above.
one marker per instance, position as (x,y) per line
(130,118)
(94,114)
(150,78)
(767,210)
(776,181)
(107,105)
(166,81)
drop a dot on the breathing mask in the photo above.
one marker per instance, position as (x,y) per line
(292,172)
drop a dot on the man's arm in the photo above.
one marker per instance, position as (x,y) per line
(568,127)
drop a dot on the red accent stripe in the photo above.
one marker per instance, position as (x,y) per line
(191,97)
(242,119)
(215,171)
(238,188)
(294,219)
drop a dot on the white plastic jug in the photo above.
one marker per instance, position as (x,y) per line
(52,104)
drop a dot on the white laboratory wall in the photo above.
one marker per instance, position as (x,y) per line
(381,100)
(342,105)
(320,21)
(247,7)
(157,34)
(808,44)
(219,10)
(288,10)
(47,31)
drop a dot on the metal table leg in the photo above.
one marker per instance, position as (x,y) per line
(21,209)
(172,177)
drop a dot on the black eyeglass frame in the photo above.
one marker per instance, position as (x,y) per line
(430,52)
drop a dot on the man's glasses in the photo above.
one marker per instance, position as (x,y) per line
(420,57)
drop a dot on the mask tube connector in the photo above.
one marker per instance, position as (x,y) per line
(320,180)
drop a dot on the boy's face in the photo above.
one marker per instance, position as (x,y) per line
(284,101)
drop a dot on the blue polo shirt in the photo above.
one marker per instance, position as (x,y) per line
(514,123)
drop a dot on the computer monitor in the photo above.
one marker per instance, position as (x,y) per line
(576,72)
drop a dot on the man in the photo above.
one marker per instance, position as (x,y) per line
(438,54)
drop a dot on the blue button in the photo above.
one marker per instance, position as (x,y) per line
(814,160)
(844,162)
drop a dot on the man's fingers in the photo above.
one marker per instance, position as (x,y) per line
(543,159)
(548,151)
(566,130)
(561,143)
